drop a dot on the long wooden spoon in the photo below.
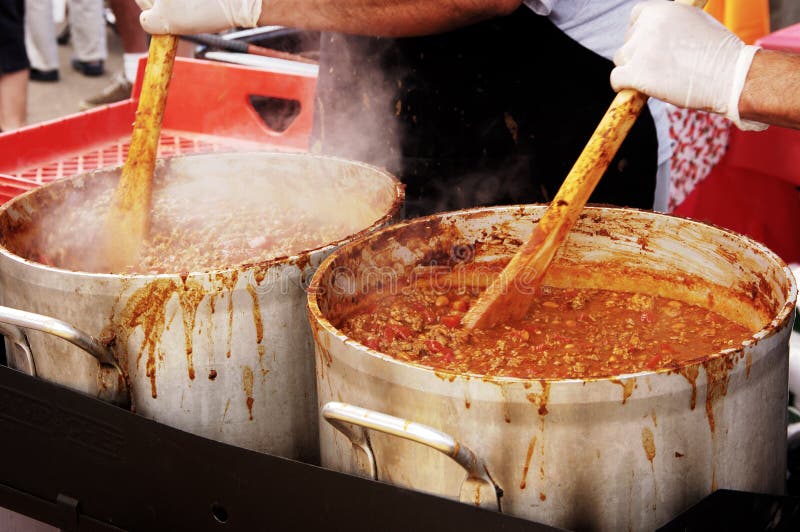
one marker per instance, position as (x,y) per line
(510,294)
(128,219)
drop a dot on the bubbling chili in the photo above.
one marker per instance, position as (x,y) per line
(566,334)
(195,225)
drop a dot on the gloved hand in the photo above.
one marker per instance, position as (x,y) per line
(184,17)
(682,55)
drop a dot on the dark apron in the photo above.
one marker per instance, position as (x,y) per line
(495,113)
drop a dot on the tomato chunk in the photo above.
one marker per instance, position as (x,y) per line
(436,347)
(454,322)
(654,361)
(424,312)
(392,331)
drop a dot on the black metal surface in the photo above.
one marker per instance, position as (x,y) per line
(81,464)
(288,40)
(215,41)
(733,511)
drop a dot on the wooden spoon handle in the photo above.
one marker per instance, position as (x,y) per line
(588,169)
(509,296)
(130,213)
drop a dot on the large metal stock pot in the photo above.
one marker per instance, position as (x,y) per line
(226,354)
(622,453)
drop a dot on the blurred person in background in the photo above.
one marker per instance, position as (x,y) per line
(470,103)
(783,13)
(13,65)
(134,45)
(748,19)
(88,32)
(685,57)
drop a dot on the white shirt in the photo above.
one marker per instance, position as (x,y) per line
(600,25)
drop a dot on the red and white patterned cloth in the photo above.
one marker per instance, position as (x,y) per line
(699,140)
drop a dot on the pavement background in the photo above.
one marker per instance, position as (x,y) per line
(49,100)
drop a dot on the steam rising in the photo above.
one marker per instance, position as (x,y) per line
(430,111)
(353,89)
(210,212)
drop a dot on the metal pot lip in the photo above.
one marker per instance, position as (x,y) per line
(771,329)
(297,259)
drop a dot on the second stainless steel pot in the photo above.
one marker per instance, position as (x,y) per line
(225,354)
(628,452)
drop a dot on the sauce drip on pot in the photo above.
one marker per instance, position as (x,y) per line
(567,333)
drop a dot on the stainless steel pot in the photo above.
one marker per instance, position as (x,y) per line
(622,453)
(224,354)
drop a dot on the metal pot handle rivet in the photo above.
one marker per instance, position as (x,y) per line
(352,421)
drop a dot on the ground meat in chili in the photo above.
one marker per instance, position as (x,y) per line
(195,226)
(567,333)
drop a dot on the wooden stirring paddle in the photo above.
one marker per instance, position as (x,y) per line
(510,294)
(128,219)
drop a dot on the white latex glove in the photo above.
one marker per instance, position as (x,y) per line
(185,17)
(682,55)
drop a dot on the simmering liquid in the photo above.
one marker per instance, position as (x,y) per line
(567,333)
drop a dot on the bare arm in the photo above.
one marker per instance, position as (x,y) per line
(389,18)
(772,91)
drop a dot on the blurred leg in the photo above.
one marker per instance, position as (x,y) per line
(13,99)
(88,29)
(133,37)
(40,35)
(13,65)
(134,46)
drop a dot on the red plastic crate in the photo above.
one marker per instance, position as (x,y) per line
(208,109)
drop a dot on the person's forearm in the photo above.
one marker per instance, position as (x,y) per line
(389,18)
(772,91)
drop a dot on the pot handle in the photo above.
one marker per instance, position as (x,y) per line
(352,421)
(61,329)
(19,342)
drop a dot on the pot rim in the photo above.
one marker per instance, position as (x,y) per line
(770,329)
(300,258)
